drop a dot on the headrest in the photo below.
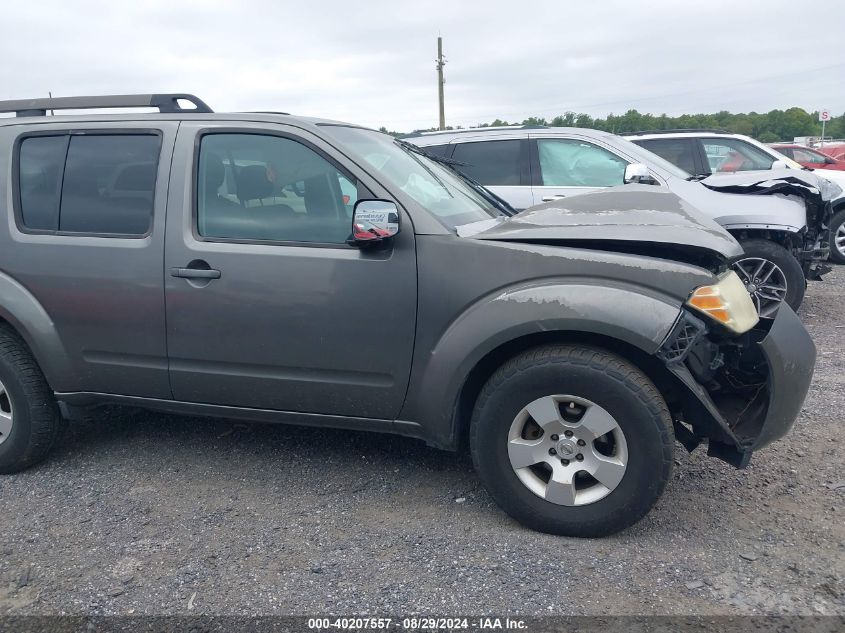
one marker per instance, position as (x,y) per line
(252,183)
(215,172)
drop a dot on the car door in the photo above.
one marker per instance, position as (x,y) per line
(268,307)
(500,164)
(563,166)
(87,243)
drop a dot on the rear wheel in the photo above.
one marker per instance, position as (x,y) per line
(771,275)
(837,238)
(572,440)
(30,421)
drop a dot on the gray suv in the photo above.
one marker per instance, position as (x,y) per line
(275,268)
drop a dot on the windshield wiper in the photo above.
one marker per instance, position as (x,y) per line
(698,177)
(499,203)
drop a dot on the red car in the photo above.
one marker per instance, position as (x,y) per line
(834,150)
(808,157)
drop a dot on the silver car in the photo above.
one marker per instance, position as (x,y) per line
(784,236)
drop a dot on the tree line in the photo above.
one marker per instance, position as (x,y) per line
(767,127)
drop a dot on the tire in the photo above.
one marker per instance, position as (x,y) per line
(584,374)
(787,269)
(35,422)
(837,238)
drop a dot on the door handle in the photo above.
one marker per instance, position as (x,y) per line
(195,273)
(554,197)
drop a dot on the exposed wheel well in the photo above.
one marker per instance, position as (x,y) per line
(786,239)
(665,382)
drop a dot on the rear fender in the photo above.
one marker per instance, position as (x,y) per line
(28,317)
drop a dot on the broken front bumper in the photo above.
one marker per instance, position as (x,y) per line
(741,394)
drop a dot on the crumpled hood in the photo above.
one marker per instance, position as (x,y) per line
(806,184)
(623,215)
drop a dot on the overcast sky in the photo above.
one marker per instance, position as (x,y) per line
(372,62)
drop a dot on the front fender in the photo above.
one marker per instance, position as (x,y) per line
(637,316)
(23,311)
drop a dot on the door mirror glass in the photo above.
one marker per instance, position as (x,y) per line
(638,173)
(374,221)
(780,164)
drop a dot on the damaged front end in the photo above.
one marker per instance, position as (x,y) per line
(810,245)
(740,392)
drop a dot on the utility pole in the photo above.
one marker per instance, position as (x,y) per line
(440,63)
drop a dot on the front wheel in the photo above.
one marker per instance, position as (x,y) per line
(771,275)
(572,440)
(837,238)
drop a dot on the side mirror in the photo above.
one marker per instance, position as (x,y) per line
(780,164)
(638,173)
(373,222)
(829,161)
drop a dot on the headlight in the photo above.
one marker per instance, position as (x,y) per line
(727,302)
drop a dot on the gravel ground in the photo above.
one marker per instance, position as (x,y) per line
(152,514)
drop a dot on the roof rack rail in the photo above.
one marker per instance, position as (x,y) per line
(486,128)
(166,104)
(679,131)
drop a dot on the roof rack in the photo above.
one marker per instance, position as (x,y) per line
(166,104)
(487,128)
(679,131)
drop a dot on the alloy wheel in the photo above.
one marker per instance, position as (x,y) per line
(567,450)
(765,282)
(839,239)
(5,414)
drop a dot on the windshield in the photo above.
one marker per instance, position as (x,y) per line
(433,186)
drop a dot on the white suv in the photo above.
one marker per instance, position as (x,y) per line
(704,152)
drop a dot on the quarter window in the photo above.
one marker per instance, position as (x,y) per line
(41,162)
(270,188)
(491,163)
(93,184)
(575,163)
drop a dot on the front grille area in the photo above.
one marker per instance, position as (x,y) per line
(681,339)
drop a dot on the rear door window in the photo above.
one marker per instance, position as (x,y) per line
(88,183)
(492,163)
(109,184)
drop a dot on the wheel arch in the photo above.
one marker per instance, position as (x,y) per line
(633,321)
(471,388)
(21,312)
